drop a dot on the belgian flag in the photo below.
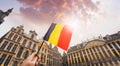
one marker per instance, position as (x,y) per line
(59,35)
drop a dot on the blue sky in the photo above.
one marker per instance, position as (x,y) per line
(97,17)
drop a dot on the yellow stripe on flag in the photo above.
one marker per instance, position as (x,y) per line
(54,37)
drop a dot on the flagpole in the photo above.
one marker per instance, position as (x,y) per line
(40,46)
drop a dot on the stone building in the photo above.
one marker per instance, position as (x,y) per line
(64,59)
(50,56)
(15,46)
(54,58)
(98,52)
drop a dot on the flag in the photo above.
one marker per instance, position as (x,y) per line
(59,35)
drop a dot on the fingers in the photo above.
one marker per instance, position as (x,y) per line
(37,56)
(36,63)
(35,60)
(32,60)
(31,57)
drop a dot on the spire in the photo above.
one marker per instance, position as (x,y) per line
(4,14)
(100,37)
(8,11)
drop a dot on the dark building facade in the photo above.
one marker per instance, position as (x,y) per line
(98,52)
(15,46)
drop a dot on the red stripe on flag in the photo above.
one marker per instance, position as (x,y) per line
(65,37)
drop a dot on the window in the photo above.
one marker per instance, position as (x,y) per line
(117,48)
(24,42)
(91,61)
(20,52)
(8,60)
(72,59)
(78,57)
(14,48)
(29,45)
(115,53)
(103,50)
(109,51)
(15,63)
(38,48)
(42,57)
(100,54)
(34,46)
(19,39)
(92,54)
(110,46)
(96,54)
(45,50)
(42,49)
(14,38)
(32,36)
(10,36)
(75,57)
(2,58)
(118,43)
(26,54)
(85,56)
(81,56)
(113,50)
(9,47)
(4,45)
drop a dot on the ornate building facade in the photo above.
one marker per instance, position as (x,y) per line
(15,46)
(98,52)
(54,58)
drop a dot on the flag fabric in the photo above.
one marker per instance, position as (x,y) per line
(59,35)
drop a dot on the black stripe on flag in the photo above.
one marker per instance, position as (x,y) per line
(47,35)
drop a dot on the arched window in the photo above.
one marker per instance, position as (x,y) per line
(19,39)
(14,48)
(2,58)
(34,46)
(4,45)
(29,45)
(10,36)
(20,52)
(15,37)
(32,36)
(24,42)
(9,46)
(8,60)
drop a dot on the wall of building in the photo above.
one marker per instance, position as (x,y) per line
(15,46)
(98,52)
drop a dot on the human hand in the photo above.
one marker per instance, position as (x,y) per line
(32,60)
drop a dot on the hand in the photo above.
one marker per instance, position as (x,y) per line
(32,60)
